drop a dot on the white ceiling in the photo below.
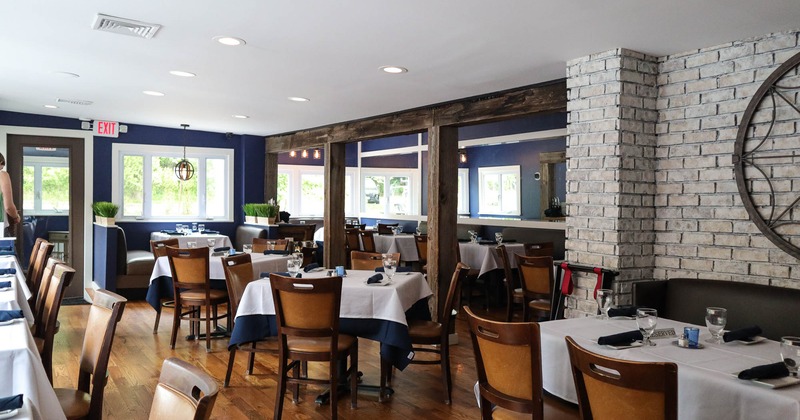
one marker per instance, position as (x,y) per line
(330,52)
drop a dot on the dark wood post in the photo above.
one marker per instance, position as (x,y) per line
(270,176)
(334,252)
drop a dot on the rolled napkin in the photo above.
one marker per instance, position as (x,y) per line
(622,311)
(282,273)
(11,403)
(5,284)
(397,270)
(222,248)
(6,252)
(741,333)
(770,371)
(210,232)
(8,271)
(310,267)
(620,339)
(6,248)
(276,252)
(375,279)
(8,315)
(171,232)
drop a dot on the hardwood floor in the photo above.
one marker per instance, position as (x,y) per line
(137,355)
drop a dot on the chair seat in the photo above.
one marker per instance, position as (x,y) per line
(74,403)
(554,409)
(214,295)
(319,345)
(426,329)
(172,404)
(539,305)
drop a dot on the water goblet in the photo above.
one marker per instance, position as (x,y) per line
(647,319)
(201,228)
(498,237)
(716,318)
(292,267)
(194,226)
(211,242)
(247,248)
(418,231)
(605,298)
(191,244)
(790,353)
(389,267)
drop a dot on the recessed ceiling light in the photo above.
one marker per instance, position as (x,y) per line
(243,117)
(181,73)
(65,74)
(394,69)
(51,106)
(229,40)
(152,93)
(298,99)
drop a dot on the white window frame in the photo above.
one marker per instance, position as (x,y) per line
(120,150)
(38,162)
(463,193)
(295,174)
(386,173)
(498,170)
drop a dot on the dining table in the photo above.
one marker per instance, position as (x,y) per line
(708,387)
(200,239)
(484,255)
(401,242)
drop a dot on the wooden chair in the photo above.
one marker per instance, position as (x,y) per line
(508,361)
(621,389)
(32,260)
(86,402)
(513,293)
(307,313)
(41,298)
(238,274)
(421,242)
(541,249)
(309,254)
(434,334)
(192,288)
(368,260)
(297,232)
(159,249)
(472,281)
(260,245)
(352,242)
(367,240)
(57,278)
(34,278)
(183,392)
(537,280)
(386,228)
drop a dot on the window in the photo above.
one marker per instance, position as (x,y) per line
(389,192)
(45,185)
(499,191)
(145,185)
(463,190)
(301,190)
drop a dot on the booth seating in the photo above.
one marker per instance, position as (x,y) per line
(774,309)
(530,235)
(134,268)
(246,233)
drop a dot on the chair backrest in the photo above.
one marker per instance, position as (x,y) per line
(508,281)
(421,241)
(262,244)
(105,313)
(307,307)
(309,254)
(159,248)
(386,228)
(367,240)
(611,388)
(189,268)
(41,297)
(238,274)
(536,276)
(42,254)
(352,239)
(368,260)
(298,232)
(455,285)
(184,391)
(34,250)
(60,277)
(508,363)
(541,249)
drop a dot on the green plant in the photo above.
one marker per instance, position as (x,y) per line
(250,209)
(105,209)
(271,210)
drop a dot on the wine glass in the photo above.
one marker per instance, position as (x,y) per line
(646,319)
(716,318)
(211,242)
(247,248)
(201,227)
(194,226)
(605,298)
(191,244)
(498,237)
(790,353)
(292,266)
(389,267)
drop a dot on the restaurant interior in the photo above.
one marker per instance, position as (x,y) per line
(614,236)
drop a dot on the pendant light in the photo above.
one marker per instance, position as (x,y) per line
(184,169)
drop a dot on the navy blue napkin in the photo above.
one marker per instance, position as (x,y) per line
(311,267)
(620,339)
(8,315)
(741,333)
(375,279)
(4,284)
(6,248)
(11,403)
(210,232)
(8,271)
(403,269)
(171,232)
(277,252)
(622,311)
(6,252)
(770,371)
(222,248)
(282,273)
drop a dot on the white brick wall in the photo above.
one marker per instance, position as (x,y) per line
(651,189)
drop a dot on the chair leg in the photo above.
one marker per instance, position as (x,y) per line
(251,360)
(385,369)
(354,377)
(281,386)
(446,379)
(230,368)
(296,385)
(176,323)
(334,376)
(158,319)
(208,328)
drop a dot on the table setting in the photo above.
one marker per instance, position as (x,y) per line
(196,234)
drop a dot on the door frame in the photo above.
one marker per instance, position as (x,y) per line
(88,183)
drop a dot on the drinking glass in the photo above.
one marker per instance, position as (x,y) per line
(191,244)
(790,353)
(247,248)
(292,267)
(716,318)
(646,319)
(418,231)
(473,236)
(377,222)
(605,298)
(211,242)
(498,237)
(389,267)
(201,227)
(194,226)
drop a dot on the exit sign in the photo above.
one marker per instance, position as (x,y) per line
(106,128)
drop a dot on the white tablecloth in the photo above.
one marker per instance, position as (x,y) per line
(261,263)
(486,257)
(707,388)
(14,298)
(21,372)
(201,239)
(358,299)
(403,243)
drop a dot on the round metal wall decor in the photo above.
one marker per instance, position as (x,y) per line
(766,158)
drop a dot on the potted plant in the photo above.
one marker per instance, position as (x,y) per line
(250,212)
(104,212)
